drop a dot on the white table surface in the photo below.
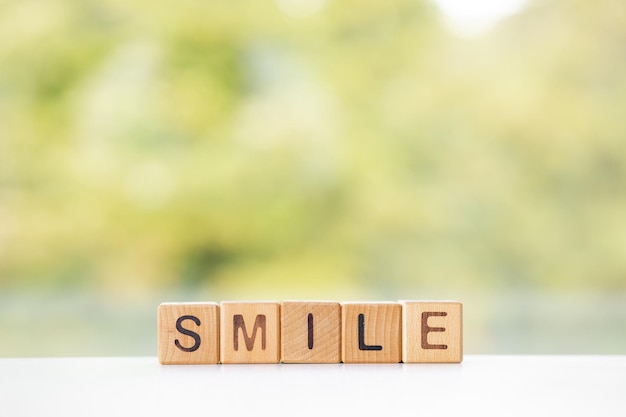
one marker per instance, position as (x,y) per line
(489,385)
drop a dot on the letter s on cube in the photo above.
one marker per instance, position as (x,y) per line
(188,333)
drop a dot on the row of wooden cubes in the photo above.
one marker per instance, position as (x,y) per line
(310,332)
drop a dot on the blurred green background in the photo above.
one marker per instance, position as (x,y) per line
(311,149)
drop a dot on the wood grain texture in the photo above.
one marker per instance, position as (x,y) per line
(310,332)
(250,332)
(432,332)
(371,332)
(188,333)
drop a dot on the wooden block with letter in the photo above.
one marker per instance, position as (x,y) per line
(188,333)
(432,331)
(310,332)
(250,332)
(371,332)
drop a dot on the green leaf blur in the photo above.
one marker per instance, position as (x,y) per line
(229,150)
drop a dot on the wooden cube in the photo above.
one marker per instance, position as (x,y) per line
(371,332)
(432,331)
(250,332)
(188,333)
(310,332)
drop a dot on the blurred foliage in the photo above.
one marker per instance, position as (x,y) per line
(218,144)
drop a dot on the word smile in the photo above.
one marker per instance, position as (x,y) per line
(310,332)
